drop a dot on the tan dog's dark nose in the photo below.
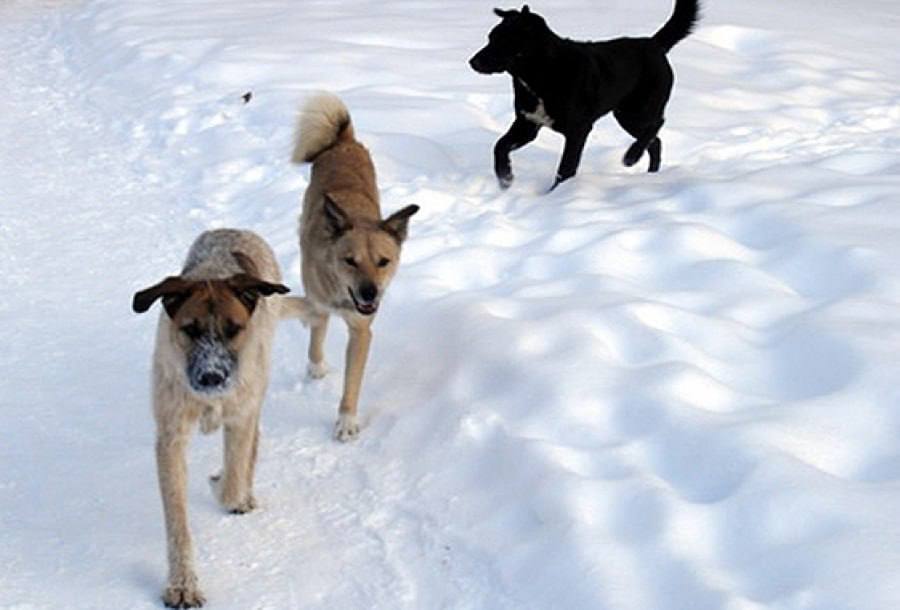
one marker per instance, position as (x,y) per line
(368,291)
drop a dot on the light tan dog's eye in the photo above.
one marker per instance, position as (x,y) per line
(192,330)
(232,329)
(350,261)
(384,262)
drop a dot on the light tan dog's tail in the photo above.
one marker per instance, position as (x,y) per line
(323,121)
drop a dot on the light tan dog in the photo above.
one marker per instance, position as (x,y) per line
(349,253)
(211,363)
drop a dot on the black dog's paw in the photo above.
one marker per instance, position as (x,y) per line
(556,182)
(633,155)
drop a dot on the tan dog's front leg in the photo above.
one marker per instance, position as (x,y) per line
(182,590)
(234,488)
(347,427)
(318,326)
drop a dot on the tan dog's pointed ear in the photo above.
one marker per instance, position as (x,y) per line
(173,290)
(248,289)
(396,223)
(338,221)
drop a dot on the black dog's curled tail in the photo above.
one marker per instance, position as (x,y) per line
(679,25)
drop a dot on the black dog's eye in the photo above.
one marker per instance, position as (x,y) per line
(384,262)
(192,330)
(349,260)
(232,329)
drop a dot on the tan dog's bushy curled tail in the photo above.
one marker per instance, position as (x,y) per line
(323,120)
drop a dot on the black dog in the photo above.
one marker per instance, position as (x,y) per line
(567,85)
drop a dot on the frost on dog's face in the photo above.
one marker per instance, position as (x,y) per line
(510,40)
(366,253)
(209,319)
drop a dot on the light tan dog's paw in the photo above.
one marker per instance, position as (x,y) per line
(346,428)
(317,370)
(235,507)
(242,508)
(183,594)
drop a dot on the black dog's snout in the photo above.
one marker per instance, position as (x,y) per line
(211,380)
(486,61)
(368,292)
(479,64)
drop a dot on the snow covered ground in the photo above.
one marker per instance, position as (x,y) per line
(641,392)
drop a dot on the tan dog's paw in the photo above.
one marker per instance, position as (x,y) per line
(183,594)
(317,370)
(346,428)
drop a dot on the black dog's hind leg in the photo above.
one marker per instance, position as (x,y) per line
(520,133)
(642,130)
(643,142)
(571,157)
(654,149)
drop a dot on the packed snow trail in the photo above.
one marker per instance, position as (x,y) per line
(640,392)
(76,214)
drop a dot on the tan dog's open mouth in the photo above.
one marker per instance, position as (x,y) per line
(366,309)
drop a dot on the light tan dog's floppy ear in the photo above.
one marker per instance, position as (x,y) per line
(338,221)
(245,263)
(173,291)
(395,224)
(248,289)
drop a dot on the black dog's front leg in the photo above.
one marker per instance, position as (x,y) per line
(520,133)
(571,157)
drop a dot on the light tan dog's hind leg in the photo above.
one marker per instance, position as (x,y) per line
(183,590)
(347,426)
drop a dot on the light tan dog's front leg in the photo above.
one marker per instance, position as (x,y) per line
(182,590)
(347,427)
(234,487)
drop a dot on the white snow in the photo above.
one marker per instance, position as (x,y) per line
(640,392)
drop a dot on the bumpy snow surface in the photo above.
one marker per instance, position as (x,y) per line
(641,392)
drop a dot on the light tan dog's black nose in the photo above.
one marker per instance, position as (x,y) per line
(211,380)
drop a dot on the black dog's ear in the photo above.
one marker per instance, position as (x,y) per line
(248,288)
(504,14)
(396,223)
(337,218)
(525,9)
(173,291)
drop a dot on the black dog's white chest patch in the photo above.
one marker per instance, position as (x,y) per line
(539,114)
